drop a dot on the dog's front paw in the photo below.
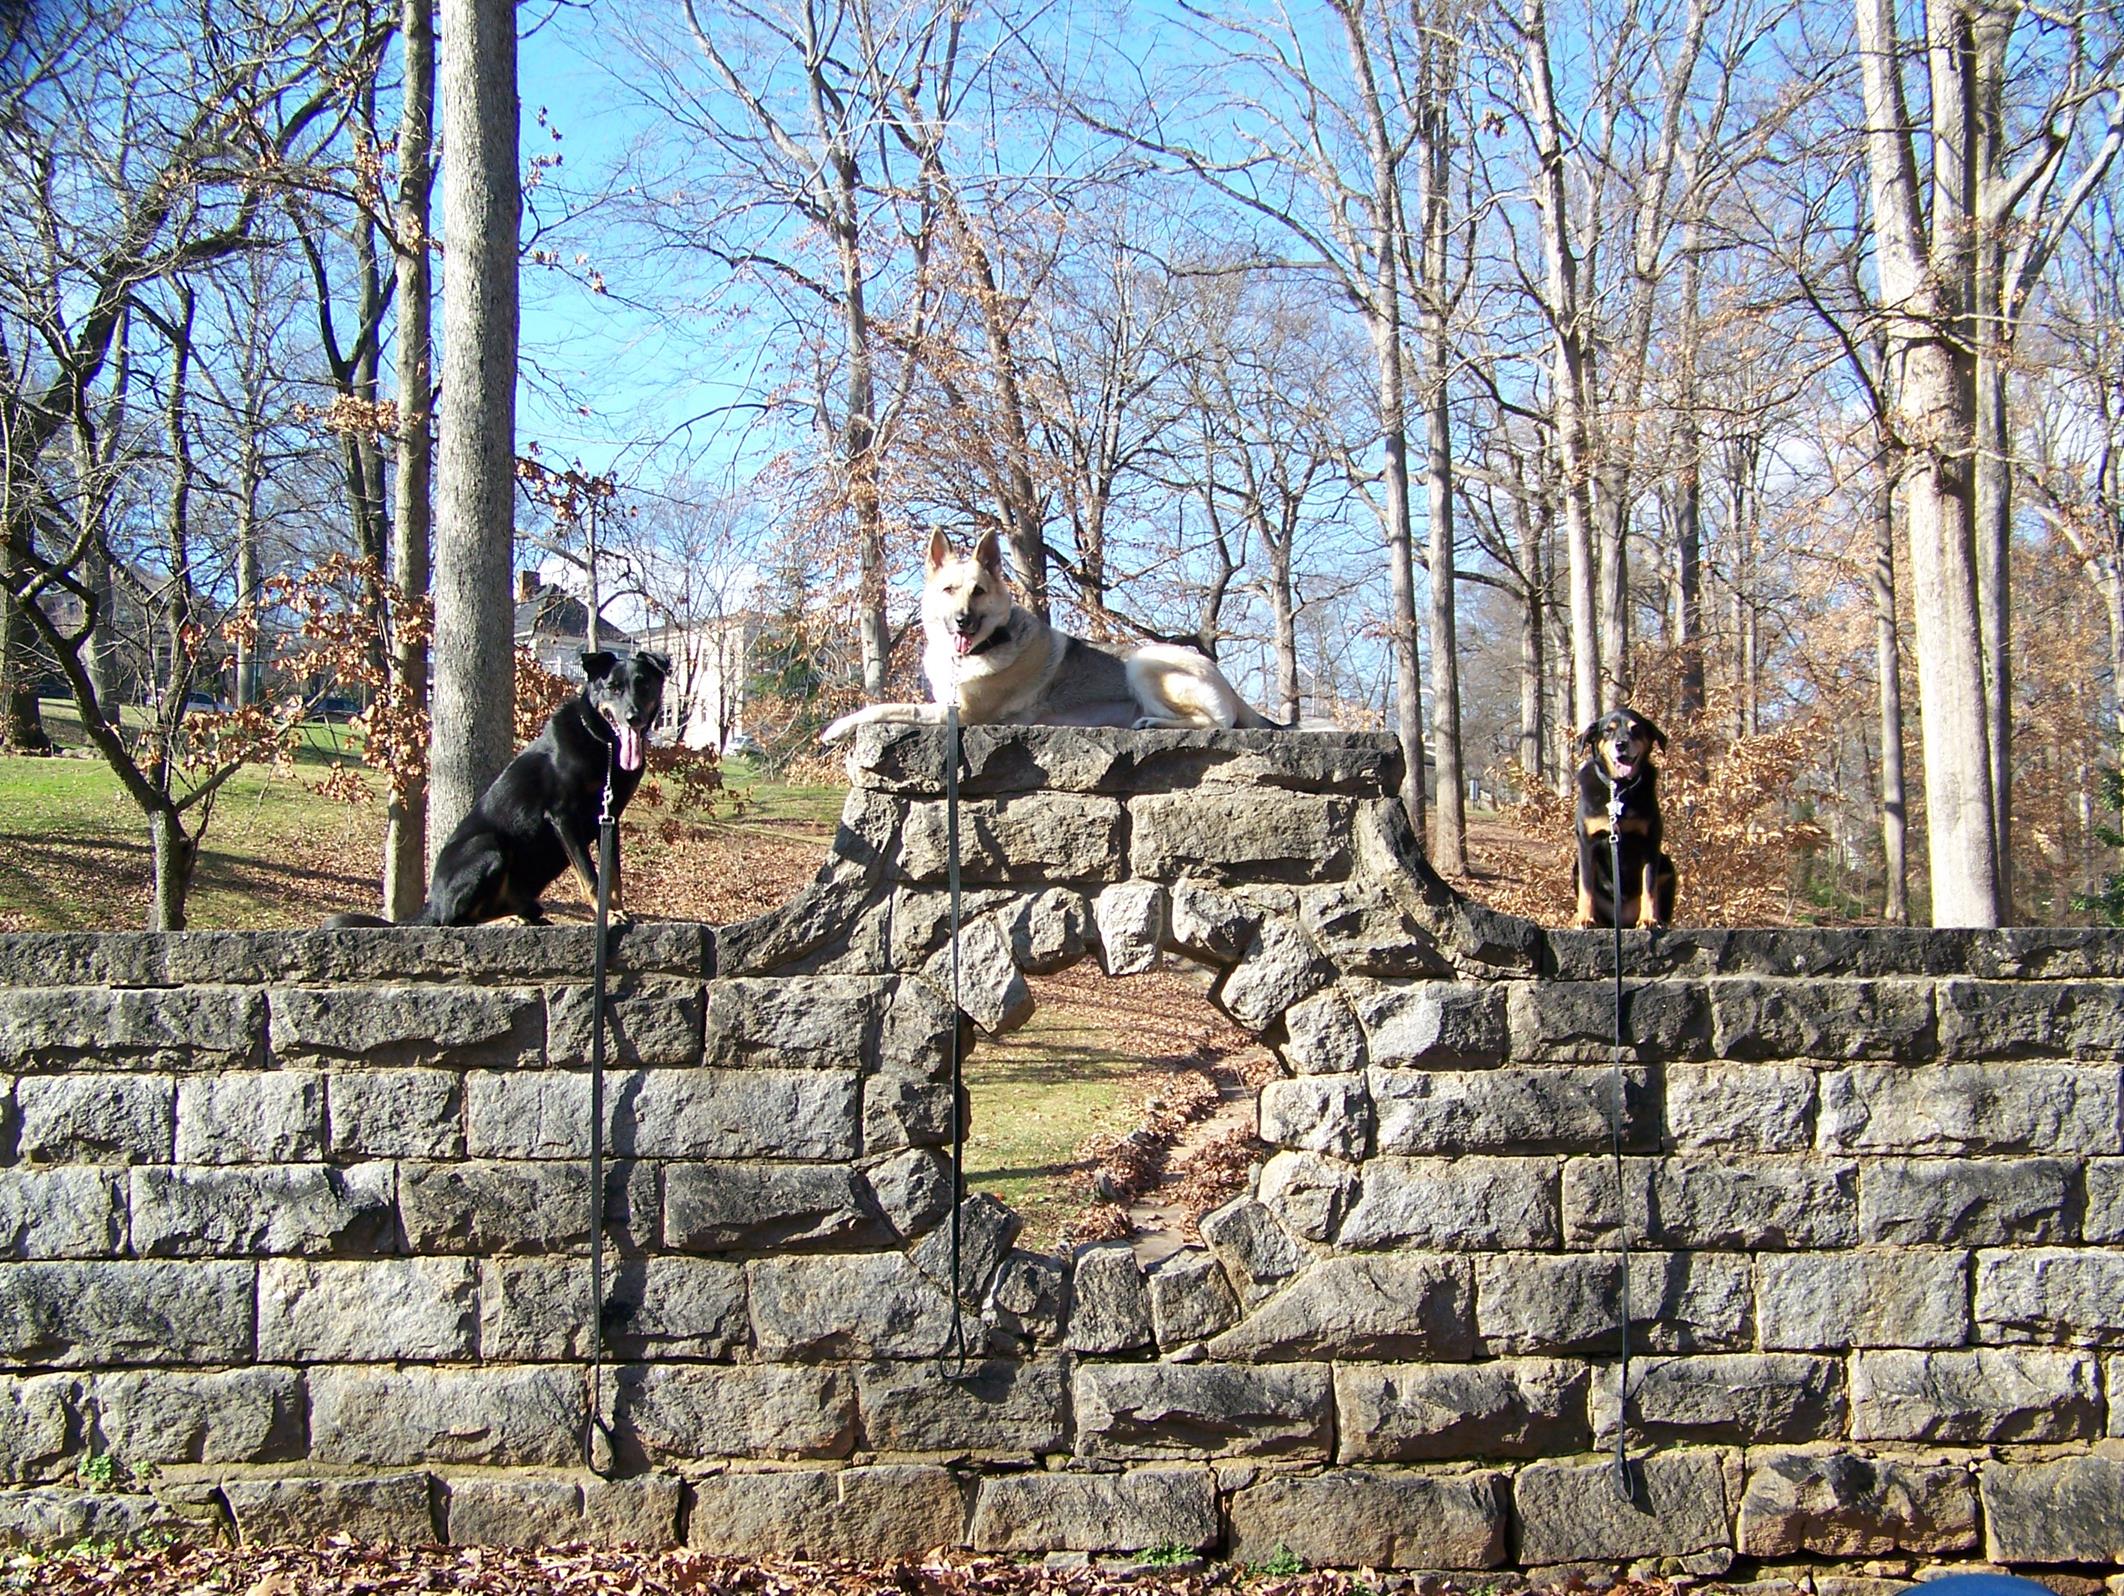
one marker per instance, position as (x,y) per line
(842,727)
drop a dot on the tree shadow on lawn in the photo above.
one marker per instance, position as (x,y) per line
(99,883)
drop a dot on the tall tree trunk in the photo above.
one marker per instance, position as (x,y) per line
(249,577)
(174,853)
(1283,613)
(1532,665)
(1689,625)
(21,722)
(1568,335)
(1436,77)
(476,443)
(406,811)
(1925,288)
(1887,660)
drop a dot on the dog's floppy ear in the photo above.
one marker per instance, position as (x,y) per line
(660,663)
(1659,737)
(597,664)
(939,551)
(1591,735)
(988,554)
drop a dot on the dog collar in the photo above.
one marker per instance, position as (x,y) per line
(994,639)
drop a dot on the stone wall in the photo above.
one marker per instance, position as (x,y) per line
(295,1224)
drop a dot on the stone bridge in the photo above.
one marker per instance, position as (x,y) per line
(294,1225)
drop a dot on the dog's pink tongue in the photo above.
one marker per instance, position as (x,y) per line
(962,644)
(630,747)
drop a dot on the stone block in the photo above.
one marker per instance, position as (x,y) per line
(681,1412)
(1196,1410)
(1032,837)
(1569,1303)
(1430,1024)
(1968,1202)
(862,1305)
(1750,1398)
(649,1021)
(1242,834)
(1280,968)
(96,1315)
(1836,1503)
(917,1032)
(2068,1511)
(1971,1108)
(532,1310)
(1476,1204)
(2051,1294)
(96,1119)
(488,1206)
(1984,1396)
(1364,931)
(1257,1252)
(1137,1511)
(60,1213)
(36,1426)
(1822,1019)
(748,1207)
(367,1312)
(1211,926)
(881,1514)
(1572,1512)
(1005,1407)
(1028,1302)
(1329,1114)
(991,990)
(396,1114)
(1131,920)
(183,1028)
(1190,1298)
(1509,1110)
(256,1117)
(1322,1036)
(241,1210)
(2031,1019)
(532,1512)
(1757,1108)
(408,1026)
(1050,931)
(534,1113)
(912,1189)
(1110,1302)
(1906,1298)
(738,1113)
(815,1022)
(1307,1193)
(525,1417)
(986,1230)
(160,1416)
(1399,1305)
(1354,1519)
(1573,1022)
(388,1509)
(904,1110)
(1707,1202)
(1426,1412)
(51,1520)
(2103,1220)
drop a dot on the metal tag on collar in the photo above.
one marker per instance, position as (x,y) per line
(1615,803)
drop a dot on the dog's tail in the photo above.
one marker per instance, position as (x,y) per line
(1251,719)
(354,922)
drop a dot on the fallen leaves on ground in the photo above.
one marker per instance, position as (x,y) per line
(339,1567)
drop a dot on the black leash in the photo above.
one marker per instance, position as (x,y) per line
(594,1432)
(954,1347)
(1623,1482)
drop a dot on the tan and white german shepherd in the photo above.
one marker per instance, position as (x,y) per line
(1008,667)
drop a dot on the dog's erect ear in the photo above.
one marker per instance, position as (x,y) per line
(988,554)
(1658,737)
(939,551)
(660,663)
(597,664)
(1590,736)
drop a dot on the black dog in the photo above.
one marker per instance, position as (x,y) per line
(539,816)
(1619,765)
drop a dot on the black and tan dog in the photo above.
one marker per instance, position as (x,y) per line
(1619,766)
(539,816)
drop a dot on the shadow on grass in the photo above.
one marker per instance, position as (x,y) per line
(98,881)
